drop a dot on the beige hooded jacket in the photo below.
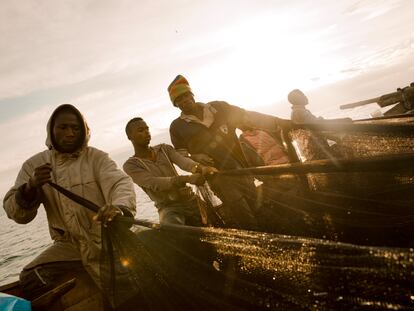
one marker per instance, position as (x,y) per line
(89,173)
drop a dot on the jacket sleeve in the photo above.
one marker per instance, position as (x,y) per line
(264,122)
(146,179)
(185,163)
(240,118)
(14,203)
(116,186)
(236,115)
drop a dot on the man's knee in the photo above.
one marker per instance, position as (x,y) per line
(171,218)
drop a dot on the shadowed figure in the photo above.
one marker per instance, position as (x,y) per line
(207,133)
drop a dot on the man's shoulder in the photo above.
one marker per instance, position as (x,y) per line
(130,161)
(219,104)
(176,122)
(302,115)
(178,125)
(164,146)
(39,158)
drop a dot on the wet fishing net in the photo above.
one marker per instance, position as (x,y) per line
(351,183)
(185,268)
(336,234)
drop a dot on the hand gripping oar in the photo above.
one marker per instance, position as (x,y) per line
(95,208)
(128,220)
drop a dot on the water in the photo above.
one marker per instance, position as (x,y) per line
(19,244)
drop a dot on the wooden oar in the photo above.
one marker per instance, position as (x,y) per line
(360,103)
(378,163)
(45,301)
(95,208)
(352,127)
(127,220)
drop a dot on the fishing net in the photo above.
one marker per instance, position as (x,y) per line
(173,267)
(335,216)
(353,184)
(187,268)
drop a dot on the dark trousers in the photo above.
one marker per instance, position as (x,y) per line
(181,213)
(238,194)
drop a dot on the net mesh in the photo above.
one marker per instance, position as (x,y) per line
(302,260)
(226,269)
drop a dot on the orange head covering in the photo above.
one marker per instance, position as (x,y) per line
(178,87)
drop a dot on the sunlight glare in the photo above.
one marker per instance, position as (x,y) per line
(269,50)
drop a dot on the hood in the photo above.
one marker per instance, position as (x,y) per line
(85,130)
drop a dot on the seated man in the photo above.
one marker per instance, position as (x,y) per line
(152,169)
(320,145)
(261,148)
(301,115)
(87,172)
(207,132)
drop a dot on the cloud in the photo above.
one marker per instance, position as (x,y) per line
(372,8)
(22,137)
(47,44)
(51,43)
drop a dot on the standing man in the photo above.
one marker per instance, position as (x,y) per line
(208,133)
(151,168)
(76,231)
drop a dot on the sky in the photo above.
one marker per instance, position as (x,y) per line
(114,59)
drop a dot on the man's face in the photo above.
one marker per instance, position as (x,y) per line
(67,132)
(185,103)
(299,99)
(139,133)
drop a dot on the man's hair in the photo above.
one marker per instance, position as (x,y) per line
(128,126)
(296,96)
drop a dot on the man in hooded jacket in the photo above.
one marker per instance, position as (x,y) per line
(76,231)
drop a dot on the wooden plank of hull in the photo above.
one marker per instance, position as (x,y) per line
(74,294)
(12,289)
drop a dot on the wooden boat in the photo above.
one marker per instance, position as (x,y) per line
(189,268)
(76,292)
(358,190)
(354,183)
(402,99)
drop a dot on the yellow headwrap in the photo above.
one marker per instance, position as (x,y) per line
(178,87)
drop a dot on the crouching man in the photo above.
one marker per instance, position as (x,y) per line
(76,231)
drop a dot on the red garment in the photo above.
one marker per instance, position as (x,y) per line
(266,146)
